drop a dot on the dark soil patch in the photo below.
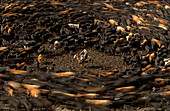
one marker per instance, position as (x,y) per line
(63,60)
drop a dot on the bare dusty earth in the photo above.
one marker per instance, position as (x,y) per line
(65,60)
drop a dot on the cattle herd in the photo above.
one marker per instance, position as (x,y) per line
(85,55)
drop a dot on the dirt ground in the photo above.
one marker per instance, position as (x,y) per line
(65,61)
